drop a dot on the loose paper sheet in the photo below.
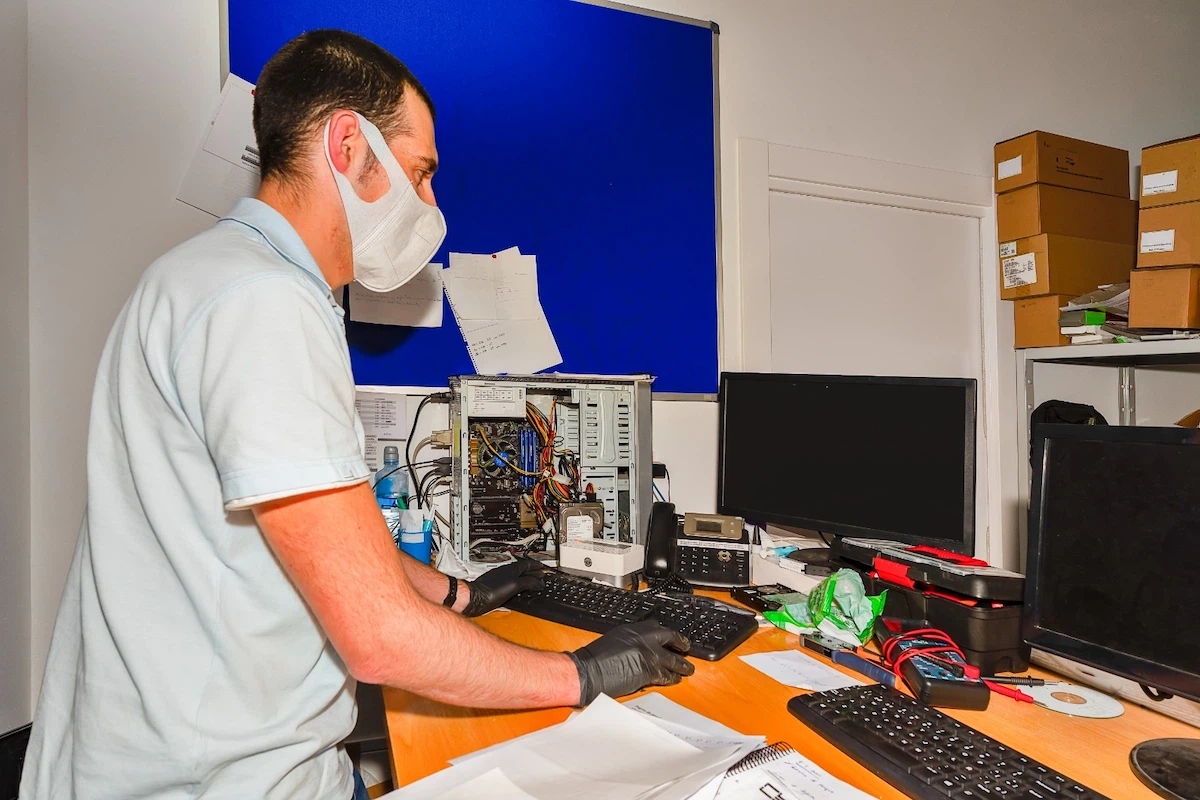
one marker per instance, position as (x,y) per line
(607,752)
(416,304)
(492,784)
(496,304)
(385,422)
(793,668)
(486,288)
(225,166)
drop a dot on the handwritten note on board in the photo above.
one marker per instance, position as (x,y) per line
(416,304)
(495,301)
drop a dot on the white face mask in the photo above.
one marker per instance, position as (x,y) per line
(396,236)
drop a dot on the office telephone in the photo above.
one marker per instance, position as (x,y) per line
(702,549)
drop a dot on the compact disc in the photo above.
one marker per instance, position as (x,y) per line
(1075,701)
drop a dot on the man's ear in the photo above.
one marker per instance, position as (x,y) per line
(345,139)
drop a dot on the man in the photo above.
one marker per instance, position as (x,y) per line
(233,576)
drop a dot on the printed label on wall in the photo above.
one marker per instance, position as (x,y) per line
(1008,249)
(1019,271)
(1008,169)
(1158,241)
(1160,182)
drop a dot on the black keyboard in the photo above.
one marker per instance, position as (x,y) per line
(713,628)
(925,753)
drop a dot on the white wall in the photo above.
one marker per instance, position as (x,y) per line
(118,95)
(118,91)
(14,371)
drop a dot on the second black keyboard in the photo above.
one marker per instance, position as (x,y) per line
(925,753)
(714,629)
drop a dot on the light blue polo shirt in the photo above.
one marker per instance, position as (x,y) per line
(184,663)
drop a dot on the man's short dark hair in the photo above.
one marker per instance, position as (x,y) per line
(310,78)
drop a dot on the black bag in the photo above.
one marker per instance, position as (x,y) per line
(1060,412)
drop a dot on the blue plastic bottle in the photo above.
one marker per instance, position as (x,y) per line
(391,489)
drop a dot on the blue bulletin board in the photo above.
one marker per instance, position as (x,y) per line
(583,134)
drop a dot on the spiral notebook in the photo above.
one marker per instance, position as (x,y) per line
(778,772)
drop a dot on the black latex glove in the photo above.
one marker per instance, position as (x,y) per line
(629,658)
(493,588)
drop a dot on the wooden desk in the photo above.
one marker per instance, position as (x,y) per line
(423,735)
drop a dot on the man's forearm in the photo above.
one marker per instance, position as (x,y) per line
(438,654)
(434,585)
(340,555)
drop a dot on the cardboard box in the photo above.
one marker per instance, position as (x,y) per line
(1165,298)
(1035,321)
(1171,173)
(1068,212)
(1041,157)
(1169,236)
(1049,264)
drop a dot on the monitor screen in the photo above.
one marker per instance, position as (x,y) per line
(1114,549)
(884,458)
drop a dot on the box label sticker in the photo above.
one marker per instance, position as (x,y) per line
(1008,249)
(1160,183)
(1008,169)
(1158,241)
(1019,271)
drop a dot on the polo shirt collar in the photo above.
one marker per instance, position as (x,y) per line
(278,233)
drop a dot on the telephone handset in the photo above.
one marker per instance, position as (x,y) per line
(660,542)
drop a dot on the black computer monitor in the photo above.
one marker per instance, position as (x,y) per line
(1113,562)
(872,457)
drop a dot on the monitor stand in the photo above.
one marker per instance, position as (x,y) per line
(1169,767)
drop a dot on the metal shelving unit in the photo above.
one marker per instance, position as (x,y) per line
(1124,359)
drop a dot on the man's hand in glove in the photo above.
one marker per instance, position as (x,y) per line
(630,658)
(494,588)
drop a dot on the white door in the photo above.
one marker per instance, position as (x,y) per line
(860,267)
(873,290)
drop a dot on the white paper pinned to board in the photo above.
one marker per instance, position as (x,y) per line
(1019,271)
(1008,169)
(416,304)
(486,288)
(1158,241)
(1008,249)
(225,166)
(496,304)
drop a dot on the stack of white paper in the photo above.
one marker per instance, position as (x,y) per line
(649,749)
(497,307)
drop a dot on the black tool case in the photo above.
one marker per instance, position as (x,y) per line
(978,607)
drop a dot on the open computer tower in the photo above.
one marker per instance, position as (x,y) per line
(531,450)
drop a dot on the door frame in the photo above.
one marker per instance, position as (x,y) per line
(765,167)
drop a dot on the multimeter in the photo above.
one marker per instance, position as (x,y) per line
(937,683)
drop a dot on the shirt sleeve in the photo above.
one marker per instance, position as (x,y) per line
(274,393)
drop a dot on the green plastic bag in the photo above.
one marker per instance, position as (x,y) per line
(838,606)
(841,601)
